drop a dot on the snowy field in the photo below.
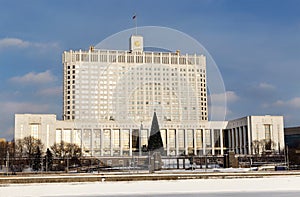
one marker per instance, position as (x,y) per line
(275,186)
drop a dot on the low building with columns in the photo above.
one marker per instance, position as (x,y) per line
(255,134)
(114,139)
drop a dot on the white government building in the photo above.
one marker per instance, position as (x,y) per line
(110,96)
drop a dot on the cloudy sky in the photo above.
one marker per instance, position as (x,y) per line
(256,45)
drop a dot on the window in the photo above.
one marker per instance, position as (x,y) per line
(267,132)
(34,128)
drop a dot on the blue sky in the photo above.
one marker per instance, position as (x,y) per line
(256,45)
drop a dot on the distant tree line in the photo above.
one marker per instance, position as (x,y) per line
(28,152)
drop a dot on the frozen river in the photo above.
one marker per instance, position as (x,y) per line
(254,187)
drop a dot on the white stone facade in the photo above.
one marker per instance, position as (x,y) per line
(246,133)
(112,139)
(127,86)
(110,96)
(39,126)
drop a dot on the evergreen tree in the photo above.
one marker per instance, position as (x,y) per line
(155,143)
(37,160)
(48,160)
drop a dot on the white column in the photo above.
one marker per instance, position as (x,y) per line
(111,142)
(101,142)
(91,142)
(121,143)
(140,142)
(167,142)
(236,140)
(245,142)
(185,142)
(176,142)
(81,137)
(249,134)
(241,140)
(204,142)
(229,138)
(221,141)
(130,142)
(212,138)
(195,142)
(72,135)
(233,139)
(271,136)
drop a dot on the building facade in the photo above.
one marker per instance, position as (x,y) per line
(255,134)
(126,86)
(244,136)
(109,98)
(292,136)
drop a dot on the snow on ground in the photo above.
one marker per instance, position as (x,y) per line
(274,184)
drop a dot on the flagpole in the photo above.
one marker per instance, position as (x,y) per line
(135,25)
(135,20)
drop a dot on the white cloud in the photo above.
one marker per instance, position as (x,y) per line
(19,43)
(13,42)
(218,108)
(229,96)
(266,86)
(22,107)
(218,113)
(53,91)
(279,103)
(292,103)
(295,102)
(34,78)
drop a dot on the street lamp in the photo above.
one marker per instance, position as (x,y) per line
(7,162)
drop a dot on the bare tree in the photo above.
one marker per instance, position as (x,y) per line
(63,149)
(256,145)
(58,149)
(3,149)
(267,145)
(28,147)
(72,150)
(7,148)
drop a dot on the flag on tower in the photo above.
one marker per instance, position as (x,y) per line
(134,16)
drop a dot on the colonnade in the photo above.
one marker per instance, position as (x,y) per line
(129,142)
(239,140)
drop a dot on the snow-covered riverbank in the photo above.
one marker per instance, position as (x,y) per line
(153,188)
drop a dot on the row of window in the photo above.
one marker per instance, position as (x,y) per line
(104,68)
(136,58)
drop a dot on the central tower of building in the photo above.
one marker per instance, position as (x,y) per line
(127,86)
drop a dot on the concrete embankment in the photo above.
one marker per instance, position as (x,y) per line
(49,178)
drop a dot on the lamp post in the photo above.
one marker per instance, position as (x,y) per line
(46,164)
(7,162)
(287,157)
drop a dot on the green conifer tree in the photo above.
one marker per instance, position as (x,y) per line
(155,143)
(48,160)
(37,160)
